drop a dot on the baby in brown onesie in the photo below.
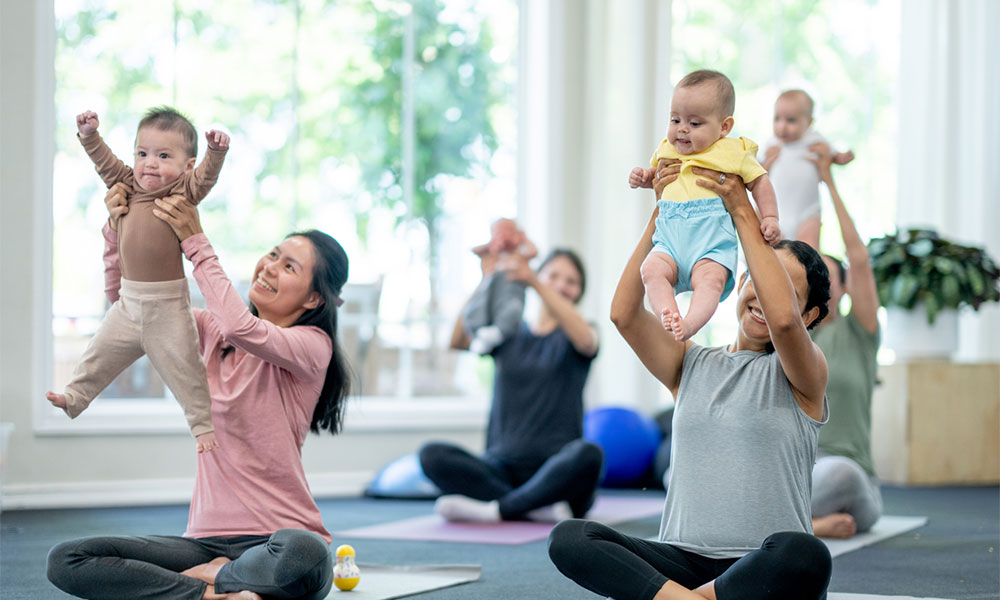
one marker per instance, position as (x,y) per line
(153,313)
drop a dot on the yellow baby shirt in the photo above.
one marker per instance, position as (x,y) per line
(728,155)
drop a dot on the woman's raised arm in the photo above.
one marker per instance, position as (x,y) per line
(860,277)
(580,333)
(801,359)
(656,348)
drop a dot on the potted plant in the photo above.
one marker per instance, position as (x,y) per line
(923,279)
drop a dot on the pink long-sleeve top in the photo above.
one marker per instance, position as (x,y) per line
(263,396)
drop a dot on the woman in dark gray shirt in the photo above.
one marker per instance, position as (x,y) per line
(736,523)
(536,465)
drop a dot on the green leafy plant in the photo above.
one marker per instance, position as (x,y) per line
(917,266)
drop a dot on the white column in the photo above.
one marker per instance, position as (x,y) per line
(594,97)
(949,112)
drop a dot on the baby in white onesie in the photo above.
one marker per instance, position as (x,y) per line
(787,159)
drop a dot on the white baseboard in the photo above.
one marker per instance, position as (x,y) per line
(151,492)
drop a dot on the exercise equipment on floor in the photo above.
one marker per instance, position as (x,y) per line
(629,440)
(402,478)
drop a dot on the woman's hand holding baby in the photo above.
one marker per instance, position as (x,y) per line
(731,188)
(667,171)
(181,215)
(117,202)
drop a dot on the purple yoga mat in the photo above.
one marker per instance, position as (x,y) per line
(607,509)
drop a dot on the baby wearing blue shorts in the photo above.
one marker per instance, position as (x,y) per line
(694,245)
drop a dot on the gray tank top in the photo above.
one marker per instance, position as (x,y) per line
(741,455)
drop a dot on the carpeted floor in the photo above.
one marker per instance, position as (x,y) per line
(955,556)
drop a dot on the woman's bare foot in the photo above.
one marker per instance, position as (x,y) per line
(206,571)
(836,525)
(57,400)
(244,595)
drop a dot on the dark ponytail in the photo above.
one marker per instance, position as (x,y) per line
(329,276)
(817,276)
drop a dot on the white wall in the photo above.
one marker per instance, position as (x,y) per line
(595,86)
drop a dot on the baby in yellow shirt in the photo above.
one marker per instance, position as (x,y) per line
(694,245)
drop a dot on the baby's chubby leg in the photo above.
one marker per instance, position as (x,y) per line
(659,276)
(708,280)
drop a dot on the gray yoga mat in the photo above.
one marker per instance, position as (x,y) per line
(874,597)
(382,582)
(886,527)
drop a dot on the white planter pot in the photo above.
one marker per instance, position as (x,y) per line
(910,337)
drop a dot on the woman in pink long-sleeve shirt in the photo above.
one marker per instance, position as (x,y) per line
(275,372)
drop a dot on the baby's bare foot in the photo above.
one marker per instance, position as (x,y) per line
(207,442)
(667,318)
(206,571)
(673,323)
(681,330)
(57,400)
(836,525)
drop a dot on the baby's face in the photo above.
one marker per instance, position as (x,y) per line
(506,236)
(160,158)
(696,121)
(791,119)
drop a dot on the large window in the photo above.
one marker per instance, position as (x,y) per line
(845,53)
(388,124)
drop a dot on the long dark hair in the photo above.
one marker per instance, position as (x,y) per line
(817,276)
(841,269)
(329,276)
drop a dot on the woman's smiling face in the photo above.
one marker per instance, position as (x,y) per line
(753,325)
(282,284)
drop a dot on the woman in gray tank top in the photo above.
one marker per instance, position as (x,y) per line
(736,523)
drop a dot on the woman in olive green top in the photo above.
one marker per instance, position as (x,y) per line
(845,493)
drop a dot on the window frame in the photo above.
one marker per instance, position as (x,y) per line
(155,416)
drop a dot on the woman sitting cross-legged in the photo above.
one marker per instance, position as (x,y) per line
(275,372)
(536,465)
(736,522)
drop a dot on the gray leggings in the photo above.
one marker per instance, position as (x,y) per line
(290,563)
(840,485)
(499,302)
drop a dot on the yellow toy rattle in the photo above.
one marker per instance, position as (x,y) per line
(346,574)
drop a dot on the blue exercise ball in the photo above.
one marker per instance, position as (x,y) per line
(629,440)
(402,478)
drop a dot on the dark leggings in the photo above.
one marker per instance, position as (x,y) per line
(790,565)
(291,563)
(571,474)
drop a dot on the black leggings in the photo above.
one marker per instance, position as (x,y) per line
(790,565)
(290,563)
(571,474)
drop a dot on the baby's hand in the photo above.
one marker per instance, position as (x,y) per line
(769,227)
(842,158)
(217,140)
(772,153)
(641,178)
(207,442)
(86,123)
